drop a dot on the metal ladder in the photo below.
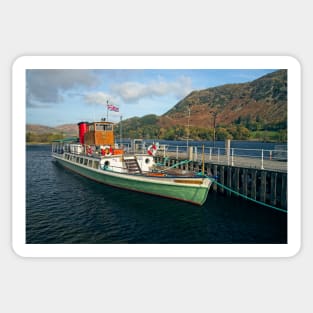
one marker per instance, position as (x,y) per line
(132,165)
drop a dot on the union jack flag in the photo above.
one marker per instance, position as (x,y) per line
(112,107)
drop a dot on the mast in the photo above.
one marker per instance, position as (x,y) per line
(188,126)
(121,117)
(107,110)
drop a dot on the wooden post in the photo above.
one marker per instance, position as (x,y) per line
(253,184)
(206,169)
(283,199)
(222,180)
(196,166)
(227,150)
(236,182)
(227,147)
(202,159)
(245,182)
(263,187)
(273,188)
(190,153)
(215,174)
(229,179)
(190,166)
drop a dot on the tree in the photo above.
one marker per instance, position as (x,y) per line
(242,133)
(222,134)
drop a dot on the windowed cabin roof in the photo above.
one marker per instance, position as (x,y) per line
(100,123)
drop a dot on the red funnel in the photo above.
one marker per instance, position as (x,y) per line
(83,128)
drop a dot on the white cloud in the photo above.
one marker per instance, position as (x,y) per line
(134,91)
(48,86)
(100,98)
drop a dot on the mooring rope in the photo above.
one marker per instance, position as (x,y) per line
(174,165)
(180,163)
(246,197)
(164,161)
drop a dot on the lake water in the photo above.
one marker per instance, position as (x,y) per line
(63,207)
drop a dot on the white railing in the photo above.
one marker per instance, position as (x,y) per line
(252,158)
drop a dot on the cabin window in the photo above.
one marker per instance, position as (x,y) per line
(95,164)
(103,127)
(90,163)
(85,161)
(100,127)
(147,160)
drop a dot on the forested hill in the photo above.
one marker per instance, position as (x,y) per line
(262,101)
(254,110)
(44,134)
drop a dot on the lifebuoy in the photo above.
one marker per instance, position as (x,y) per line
(152,149)
(89,151)
(106,151)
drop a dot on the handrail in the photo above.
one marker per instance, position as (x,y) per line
(271,159)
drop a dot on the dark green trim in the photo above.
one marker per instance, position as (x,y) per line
(193,194)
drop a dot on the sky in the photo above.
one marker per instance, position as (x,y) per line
(56,97)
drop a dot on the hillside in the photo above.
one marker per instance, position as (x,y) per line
(261,101)
(253,110)
(45,134)
(66,130)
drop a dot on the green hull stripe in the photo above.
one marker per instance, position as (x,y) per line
(194,194)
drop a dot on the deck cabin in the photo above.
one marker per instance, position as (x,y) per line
(96,133)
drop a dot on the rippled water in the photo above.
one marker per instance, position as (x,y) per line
(63,207)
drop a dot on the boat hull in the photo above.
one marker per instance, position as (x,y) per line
(188,190)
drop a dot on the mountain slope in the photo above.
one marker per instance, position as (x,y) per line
(240,109)
(264,99)
(67,129)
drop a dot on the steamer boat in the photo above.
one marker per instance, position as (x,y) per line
(95,155)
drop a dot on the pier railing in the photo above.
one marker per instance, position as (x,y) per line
(250,158)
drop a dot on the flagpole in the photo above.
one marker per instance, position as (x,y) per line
(121,129)
(107,110)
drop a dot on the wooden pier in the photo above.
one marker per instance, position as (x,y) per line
(266,186)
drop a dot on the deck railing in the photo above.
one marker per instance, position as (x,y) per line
(275,159)
(252,158)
